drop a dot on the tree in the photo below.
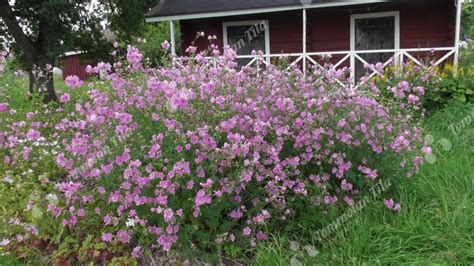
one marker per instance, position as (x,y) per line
(467,26)
(126,17)
(44,29)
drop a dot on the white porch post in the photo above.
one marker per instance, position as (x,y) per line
(173,40)
(304,41)
(458,31)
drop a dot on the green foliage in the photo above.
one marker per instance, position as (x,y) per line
(459,88)
(467,29)
(126,16)
(152,38)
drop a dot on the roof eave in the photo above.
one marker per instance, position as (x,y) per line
(256,11)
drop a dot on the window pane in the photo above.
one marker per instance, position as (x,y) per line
(374,34)
(244,39)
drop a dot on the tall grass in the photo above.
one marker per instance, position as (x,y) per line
(436,224)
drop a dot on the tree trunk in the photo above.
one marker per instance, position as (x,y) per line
(45,81)
(49,93)
(31,83)
(41,81)
(34,55)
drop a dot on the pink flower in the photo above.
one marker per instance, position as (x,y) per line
(390,204)
(346,186)
(69,188)
(236,214)
(30,115)
(330,200)
(137,252)
(134,58)
(65,98)
(107,237)
(125,157)
(33,135)
(261,236)
(202,198)
(124,236)
(3,107)
(349,201)
(165,45)
(124,118)
(81,212)
(397,207)
(247,231)
(73,82)
(168,215)
(369,173)
(101,190)
(426,150)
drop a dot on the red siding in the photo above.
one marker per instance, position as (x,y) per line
(422,24)
(72,65)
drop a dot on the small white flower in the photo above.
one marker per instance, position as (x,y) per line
(52,198)
(130,223)
(5,242)
(8,180)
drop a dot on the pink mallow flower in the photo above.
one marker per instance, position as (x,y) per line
(73,82)
(124,236)
(3,107)
(247,231)
(107,237)
(137,252)
(165,45)
(390,204)
(65,98)
(33,135)
(346,186)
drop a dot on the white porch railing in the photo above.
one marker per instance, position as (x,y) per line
(351,58)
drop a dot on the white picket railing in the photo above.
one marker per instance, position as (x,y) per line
(310,58)
(354,56)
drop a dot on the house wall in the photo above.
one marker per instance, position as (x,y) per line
(422,24)
(72,65)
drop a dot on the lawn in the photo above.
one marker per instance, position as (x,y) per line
(435,226)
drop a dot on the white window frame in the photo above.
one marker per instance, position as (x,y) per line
(249,23)
(395,14)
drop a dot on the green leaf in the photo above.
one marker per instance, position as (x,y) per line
(37,212)
(460,97)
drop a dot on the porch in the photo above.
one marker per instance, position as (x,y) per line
(410,32)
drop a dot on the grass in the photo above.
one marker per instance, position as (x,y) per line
(8,260)
(435,226)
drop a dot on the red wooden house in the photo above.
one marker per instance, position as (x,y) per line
(71,64)
(353,32)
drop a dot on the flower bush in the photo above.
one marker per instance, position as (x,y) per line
(200,158)
(436,86)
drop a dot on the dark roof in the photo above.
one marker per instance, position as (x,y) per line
(168,8)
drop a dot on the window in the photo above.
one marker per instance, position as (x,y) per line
(374,31)
(245,36)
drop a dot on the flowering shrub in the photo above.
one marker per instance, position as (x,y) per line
(435,86)
(204,157)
